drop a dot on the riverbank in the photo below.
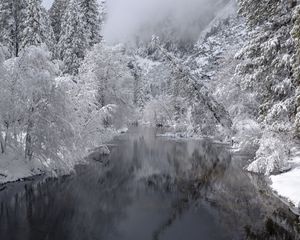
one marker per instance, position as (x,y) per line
(166,188)
(14,167)
(284,186)
(287,185)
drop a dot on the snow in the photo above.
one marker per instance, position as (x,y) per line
(47,3)
(288,185)
(14,167)
(123,130)
(146,64)
(296,160)
(219,55)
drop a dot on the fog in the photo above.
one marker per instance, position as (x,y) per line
(47,3)
(179,20)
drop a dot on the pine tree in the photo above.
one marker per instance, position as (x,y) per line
(103,11)
(296,65)
(37,28)
(72,43)
(91,21)
(49,37)
(56,13)
(257,11)
(267,70)
(12,15)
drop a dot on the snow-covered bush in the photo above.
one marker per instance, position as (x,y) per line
(159,111)
(247,133)
(92,125)
(96,128)
(272,155)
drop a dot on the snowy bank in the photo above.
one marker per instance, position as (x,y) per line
(13,169)
(287,185)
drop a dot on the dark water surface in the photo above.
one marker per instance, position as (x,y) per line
(148,188)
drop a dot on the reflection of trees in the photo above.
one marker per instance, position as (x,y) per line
(208,165)
(86,206)
(243,209)
(92,203)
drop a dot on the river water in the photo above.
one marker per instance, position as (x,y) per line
(148,188)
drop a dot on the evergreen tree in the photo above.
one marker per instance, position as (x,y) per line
(37,26)
(103,11)
(91,21)
(56,13)
(72,43)
(268,70)
(12,15)
(49,37)
(296,65)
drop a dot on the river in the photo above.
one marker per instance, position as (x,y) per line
(148,188)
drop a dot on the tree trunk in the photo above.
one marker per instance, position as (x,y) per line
(2,146)
(28,143)
(3,142)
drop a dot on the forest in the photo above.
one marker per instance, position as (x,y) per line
(76,74)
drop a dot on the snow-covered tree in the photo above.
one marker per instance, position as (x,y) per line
(4,106)
(56,13)
(91,21)
(187,87)
(296,65)
(260,12)
(12,16)
(34,111)
(37,26)
(107,68)
(72,44)
(103,11)
(268,70)
(101,96)
(136,72)
(49,37)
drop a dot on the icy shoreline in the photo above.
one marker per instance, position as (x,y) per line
(286,201)
(14,168)
(287,186)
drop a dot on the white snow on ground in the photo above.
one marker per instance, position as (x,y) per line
(287,184)
(13,168)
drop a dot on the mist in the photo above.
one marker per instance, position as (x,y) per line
(172,20)
(47,3)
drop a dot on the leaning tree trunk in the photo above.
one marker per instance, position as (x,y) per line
(201,92)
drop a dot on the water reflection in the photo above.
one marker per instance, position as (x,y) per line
(149,188)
